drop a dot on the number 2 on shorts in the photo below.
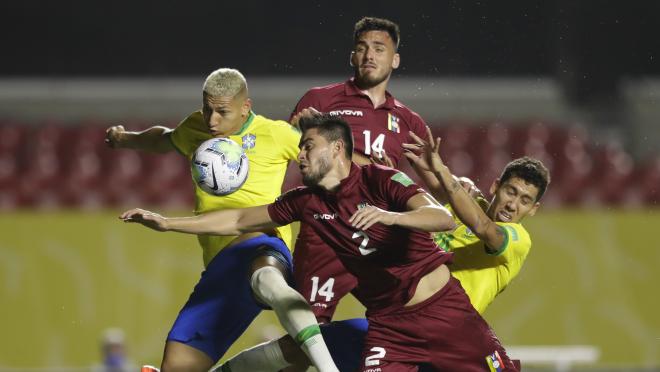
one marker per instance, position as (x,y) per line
(374,360)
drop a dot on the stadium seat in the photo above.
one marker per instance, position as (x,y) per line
(55,164)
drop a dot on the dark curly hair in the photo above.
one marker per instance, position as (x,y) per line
(377,24)
(530,170)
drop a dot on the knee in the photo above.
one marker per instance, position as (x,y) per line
(270,287)
(265,277)
(184,359)
(173,364)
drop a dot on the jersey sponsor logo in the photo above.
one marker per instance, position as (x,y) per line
(249,141)
(393,123)
(325,216)
(494,362)
(347,112)
(403,179)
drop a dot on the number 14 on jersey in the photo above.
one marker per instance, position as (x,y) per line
(376,146)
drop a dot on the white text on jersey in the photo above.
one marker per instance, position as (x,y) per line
(347,113)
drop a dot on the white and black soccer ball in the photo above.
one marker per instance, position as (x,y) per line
(220,166)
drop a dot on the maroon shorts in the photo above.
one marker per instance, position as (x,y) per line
(443,332)
(319,275)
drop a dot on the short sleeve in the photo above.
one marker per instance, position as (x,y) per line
(418,125)
(288,139)
(189,134)
(310,99)
(288,206)
(397,188)
(516,242)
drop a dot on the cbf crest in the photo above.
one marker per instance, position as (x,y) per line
(249,141)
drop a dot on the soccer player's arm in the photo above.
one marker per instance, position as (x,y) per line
(412,207)
(222,222)
(424,213)
(435,187)
(516,244)
(153,139)
(470,213)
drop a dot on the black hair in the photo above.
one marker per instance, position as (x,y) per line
(529,170)
(332,128)
(377,24)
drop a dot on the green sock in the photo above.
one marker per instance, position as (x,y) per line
(307,333)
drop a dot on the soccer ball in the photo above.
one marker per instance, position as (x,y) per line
(220,166)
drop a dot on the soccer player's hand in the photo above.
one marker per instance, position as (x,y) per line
(149,219)
(306,112)
(469,186)
(429,152)
(382,159)
(113,136)
(366,217)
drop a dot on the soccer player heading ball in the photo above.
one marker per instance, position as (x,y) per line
(246,271)
(377,221)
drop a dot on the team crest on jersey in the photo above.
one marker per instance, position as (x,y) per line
(393,123)
(249,141)
(495,363)
(362,205)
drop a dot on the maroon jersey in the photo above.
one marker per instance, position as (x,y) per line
(388,261)
(374,129)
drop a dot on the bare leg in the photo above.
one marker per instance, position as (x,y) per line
(180,357)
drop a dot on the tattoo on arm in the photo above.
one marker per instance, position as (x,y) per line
(455,186)
(500,232)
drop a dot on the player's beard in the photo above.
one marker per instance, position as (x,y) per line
(370,80)
(312,178)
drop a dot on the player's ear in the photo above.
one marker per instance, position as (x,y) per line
(247,106)
(338,147)
(494,186)
(534,209)
(396,60)
(350,59)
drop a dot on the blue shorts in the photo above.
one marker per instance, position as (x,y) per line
(345,339)
(222,305)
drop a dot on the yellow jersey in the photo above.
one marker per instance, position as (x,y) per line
(269,145)
(484,275)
